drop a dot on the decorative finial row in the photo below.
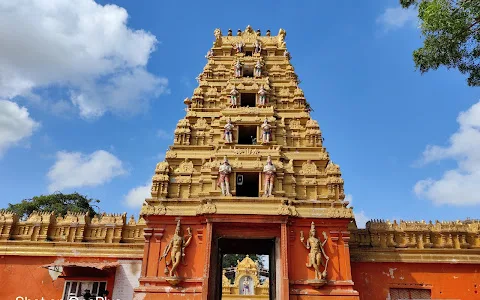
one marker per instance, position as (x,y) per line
(258,32)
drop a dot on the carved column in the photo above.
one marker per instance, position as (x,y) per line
(157,234)
(334,236)
(147,234)
(284,293)
(347,271)
(208,252)
(279,188)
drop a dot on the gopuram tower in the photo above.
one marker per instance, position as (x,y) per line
(247,173)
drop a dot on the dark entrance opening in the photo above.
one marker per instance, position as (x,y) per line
(247,72)
(227,246)
(247,135)
(247,184)
(248,53)
(247,99)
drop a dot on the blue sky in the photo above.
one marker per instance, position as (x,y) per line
(90,94)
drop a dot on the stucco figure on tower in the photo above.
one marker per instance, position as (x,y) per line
(266,132)
(257,70)
(228,135)
(209,54)
(316,252)
(257,47)
(176,247)
(269,171)
(238,68)
(234,97)
(262,96)
(239,47)
(224,177)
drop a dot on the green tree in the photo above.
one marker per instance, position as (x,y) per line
(451,31)
(56,202)
(230,260)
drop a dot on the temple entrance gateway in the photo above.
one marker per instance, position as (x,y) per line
(205,198)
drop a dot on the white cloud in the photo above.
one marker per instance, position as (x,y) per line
(136,196)
(75,169)
(349,198)
(361,219)
(15,125)
(163,134)
(459,186)
(79,45)
(397,17)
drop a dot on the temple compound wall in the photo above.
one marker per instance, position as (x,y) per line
(54,257)
(416,260)
(247,173)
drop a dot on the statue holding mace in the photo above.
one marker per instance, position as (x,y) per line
(176,247)
(316,252)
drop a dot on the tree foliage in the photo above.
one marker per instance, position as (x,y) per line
(230,260)
(56,202)
(451,31)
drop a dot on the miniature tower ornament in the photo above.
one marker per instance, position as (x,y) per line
(315,256)
(269,171)
(176,247)
(224,177)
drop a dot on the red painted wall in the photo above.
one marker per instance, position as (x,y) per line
(24,276)
(446,281)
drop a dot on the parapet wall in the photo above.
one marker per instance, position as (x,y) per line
(73,228)
(416,241)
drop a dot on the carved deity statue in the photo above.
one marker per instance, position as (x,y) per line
(239,47)
(287,55)
(224,177)
(266,132)
(217,33)
(176,247)
(316,251)
(238,69)
(281,37)
(209,54)
(234,97)
(262,96)
(269,171)
(257,71)
(257,47)
(246,286)
(228,132)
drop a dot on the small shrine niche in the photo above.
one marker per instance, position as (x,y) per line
(246,282)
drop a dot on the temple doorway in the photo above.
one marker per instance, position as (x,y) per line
(247,277)
(246,184)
